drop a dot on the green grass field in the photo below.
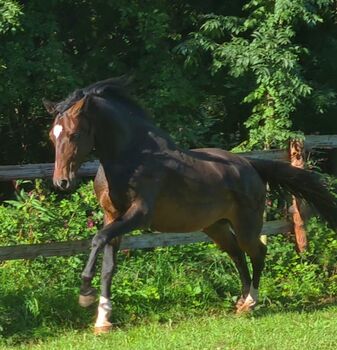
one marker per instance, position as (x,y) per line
(316,330)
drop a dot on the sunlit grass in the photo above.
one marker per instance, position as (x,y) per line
(289,330)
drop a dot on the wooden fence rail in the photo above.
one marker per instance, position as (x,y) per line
(45,170)
(150,240)
(147,240)
(34,171)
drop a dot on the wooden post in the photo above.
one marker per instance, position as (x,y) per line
(296,153)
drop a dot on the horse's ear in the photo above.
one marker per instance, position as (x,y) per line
(49,106)
(80,107)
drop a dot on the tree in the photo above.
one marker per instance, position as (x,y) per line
(263,47)
(193,64)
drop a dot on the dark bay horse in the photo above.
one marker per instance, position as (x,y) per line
(147,181)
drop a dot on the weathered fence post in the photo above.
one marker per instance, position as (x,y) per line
(296,154)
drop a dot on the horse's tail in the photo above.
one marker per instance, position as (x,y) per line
(301,183)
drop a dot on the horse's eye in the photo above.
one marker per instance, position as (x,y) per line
(75,136)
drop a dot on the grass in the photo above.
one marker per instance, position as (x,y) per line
(315,330)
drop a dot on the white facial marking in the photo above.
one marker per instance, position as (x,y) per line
(57,130)
(104,312)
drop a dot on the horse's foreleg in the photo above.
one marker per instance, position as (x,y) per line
(134,218)
(137,216)
(87,292)
(103,324)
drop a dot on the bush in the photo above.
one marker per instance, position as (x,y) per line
(44,216)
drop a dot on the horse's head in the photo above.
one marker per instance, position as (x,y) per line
(73,138)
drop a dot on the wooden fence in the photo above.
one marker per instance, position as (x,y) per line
(148,240)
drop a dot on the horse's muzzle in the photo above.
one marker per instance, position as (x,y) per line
(65,184)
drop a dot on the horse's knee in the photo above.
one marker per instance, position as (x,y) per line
(99,241)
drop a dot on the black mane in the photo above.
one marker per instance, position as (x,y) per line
(105,88)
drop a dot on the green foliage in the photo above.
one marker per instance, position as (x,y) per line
(263,47)
(51,54)
(193,65)
(43,216)
(9,14)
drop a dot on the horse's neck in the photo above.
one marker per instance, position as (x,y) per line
(111,133)
(121,131)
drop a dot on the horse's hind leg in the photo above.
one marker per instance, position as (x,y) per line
(222,234)
(247,228)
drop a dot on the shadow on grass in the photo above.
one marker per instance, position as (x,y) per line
(287,305)
(24,319)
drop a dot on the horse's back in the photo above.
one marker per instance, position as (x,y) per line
(237,173)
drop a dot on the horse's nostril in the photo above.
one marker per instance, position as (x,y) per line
(64,184)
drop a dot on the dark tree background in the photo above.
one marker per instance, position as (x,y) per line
(243,74)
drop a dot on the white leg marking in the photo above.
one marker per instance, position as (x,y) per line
(104,312)
(252,297)
(57,130)
(250,301)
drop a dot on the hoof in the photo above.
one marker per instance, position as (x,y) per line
(245,308)
(86,300)
(246,305)
(106,328)
(240,302)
